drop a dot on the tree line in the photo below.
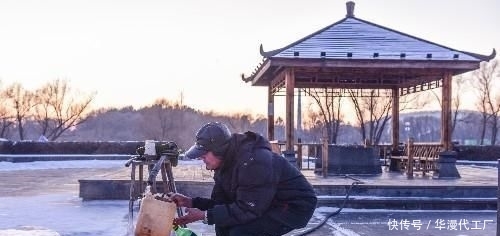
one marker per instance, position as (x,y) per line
(372,109)
(53,108)
(57,112)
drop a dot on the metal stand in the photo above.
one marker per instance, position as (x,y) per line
(166,174)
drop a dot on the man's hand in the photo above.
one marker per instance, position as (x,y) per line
(192,215)
(181,200)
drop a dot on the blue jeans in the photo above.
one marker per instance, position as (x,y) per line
(263,226)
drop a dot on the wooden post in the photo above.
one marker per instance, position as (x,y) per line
(324,156)
(395,118)
(446,113)
(289,120)
(409,167)
(308,150)
(141,178)
(299,153)
(270,114)
(367,143)
(324,153)
(498,200)
(133,193)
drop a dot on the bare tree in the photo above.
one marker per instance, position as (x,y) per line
(481,107)
(166,120)
(5,122)
(458,90)
(488,102)
(279,128)
(57,110)
(21,101)
(6,118)
(494,107)
(314,123)
(239,122)
(456,101)
(493,99)
(373,114)
(162,107)
(329,105)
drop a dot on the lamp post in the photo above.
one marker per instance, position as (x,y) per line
(407,129)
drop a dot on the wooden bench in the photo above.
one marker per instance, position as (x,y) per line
(421,157)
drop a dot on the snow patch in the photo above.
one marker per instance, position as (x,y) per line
(28,231)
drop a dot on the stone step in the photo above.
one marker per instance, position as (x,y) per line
(361,196)
(409,203)
(444,191)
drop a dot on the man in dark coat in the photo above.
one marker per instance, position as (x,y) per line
(256,191)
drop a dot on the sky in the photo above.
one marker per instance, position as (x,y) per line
(132,52)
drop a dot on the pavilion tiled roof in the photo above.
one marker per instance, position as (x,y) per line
(353,38)
(364,40)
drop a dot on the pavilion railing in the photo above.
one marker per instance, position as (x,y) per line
(409,157)
(305,153)
(413,156)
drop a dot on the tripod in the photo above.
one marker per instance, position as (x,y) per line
(163,164)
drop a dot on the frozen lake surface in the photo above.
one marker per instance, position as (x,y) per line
(62,213)
(87,164)
(65,214)
(47,213)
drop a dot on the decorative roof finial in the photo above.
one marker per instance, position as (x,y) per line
(350,9)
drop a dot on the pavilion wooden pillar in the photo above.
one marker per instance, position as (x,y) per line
(446,165)
(289,120)
(395,118)
(270,113)
(446,112)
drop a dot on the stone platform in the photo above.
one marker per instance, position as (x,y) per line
(477,189)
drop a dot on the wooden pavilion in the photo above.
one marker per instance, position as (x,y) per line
(360,55)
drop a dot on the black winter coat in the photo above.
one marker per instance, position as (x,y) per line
(254,181)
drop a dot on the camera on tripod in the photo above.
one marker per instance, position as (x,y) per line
(153,150)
